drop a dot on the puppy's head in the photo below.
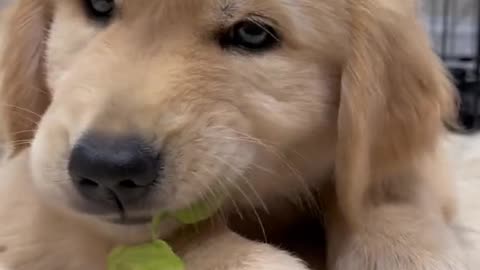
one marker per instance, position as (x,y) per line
(150,106)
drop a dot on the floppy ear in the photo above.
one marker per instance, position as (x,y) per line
(23,91)
(395,99)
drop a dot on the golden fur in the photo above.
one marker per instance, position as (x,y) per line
(35,237)
(346,114)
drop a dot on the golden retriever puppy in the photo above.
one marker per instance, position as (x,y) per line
(145,106)
(36,236)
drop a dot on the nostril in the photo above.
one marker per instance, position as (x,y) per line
(87,183)
(101,166)
(128,184)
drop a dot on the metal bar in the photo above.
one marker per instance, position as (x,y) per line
(453,27)
(477,71)
(476,121)
(445,32)
(433,23)
(476,105)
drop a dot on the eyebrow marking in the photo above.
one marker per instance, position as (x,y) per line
(228,7)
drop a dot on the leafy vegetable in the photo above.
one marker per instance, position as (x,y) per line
(151,256)
(158,255)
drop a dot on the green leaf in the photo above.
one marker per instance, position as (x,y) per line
(156,222)
(198,212)
(152,256)
(158,255)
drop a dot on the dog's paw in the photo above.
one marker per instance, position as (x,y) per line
(395,238)
(400,252)
(270,258)
(395,259)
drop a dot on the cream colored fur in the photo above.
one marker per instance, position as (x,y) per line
(346,115)
(464,153)
(35,237)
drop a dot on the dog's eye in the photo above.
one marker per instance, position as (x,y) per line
(100,9)
(251,36)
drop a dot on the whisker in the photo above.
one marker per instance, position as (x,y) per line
(311,201)
(211,201)
(20,144)
(255,21)
(23,131)
(226,190)
(247,198)
(22,110)
(23,117)
(247,181)
(249,201)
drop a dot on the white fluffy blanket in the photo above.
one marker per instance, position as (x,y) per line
(464,152)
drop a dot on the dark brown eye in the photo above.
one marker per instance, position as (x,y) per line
(100,9)
(250,36)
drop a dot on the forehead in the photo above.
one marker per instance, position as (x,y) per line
(308,24)
(203,17)
(215,8)
(196,10)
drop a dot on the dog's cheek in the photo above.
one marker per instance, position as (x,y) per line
(286,97)
(289,119)
(212,161)
(49,158)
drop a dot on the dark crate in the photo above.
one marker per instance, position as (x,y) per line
(456,38)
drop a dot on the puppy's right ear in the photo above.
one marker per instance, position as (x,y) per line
(23,92)
(395,98)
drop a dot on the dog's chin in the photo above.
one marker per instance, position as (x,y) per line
(120,219)
(130,221)
(129,227)
(123,229)
(112,216)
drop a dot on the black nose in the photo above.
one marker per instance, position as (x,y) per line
(112,170)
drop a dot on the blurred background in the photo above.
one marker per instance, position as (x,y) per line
(4,2)
(454,26)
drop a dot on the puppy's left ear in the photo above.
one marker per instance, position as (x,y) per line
(395,98)
(23,92)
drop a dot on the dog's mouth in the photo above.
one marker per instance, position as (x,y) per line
(115,212)
(125,217)
(120,218)
(128,221)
